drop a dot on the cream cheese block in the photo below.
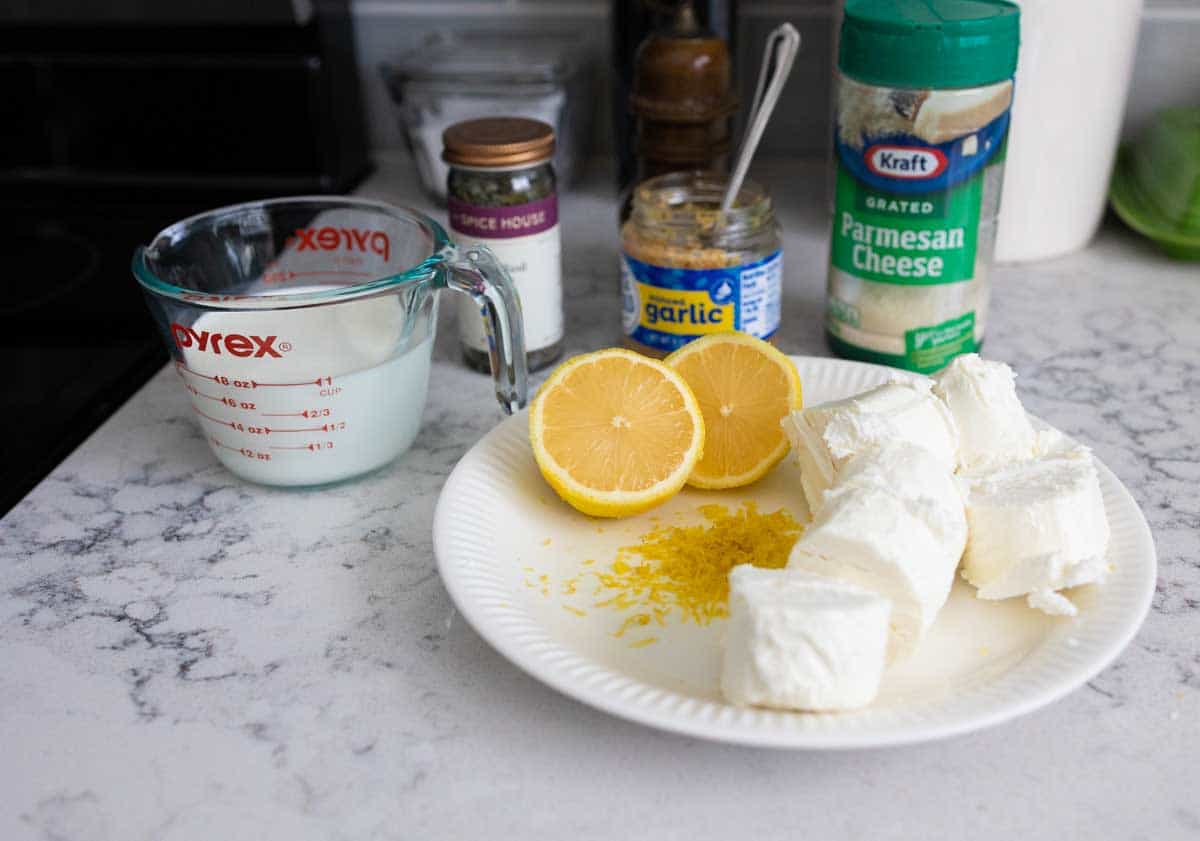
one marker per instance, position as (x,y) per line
(1051,602)
(1036,527)
(993,428)
(894,523)
(825,437)
(799,642)
(1049,441)
(920,481)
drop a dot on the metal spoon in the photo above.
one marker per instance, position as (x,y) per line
(782,45)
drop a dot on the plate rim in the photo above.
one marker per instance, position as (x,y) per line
(728,732)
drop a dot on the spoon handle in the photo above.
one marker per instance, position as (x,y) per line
(782,45)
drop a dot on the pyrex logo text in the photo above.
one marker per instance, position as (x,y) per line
(351,239)
(908,162)
(233,344)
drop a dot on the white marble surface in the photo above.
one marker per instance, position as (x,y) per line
(185,656)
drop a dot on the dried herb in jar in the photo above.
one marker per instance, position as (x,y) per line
(500,189)
(501,192)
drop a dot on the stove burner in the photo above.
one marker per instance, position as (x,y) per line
(50,263)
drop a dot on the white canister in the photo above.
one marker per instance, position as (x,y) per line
(1073,75)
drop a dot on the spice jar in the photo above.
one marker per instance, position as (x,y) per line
(501,192)
(685,275)
(922,119)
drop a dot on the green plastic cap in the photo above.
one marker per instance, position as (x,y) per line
(930,43)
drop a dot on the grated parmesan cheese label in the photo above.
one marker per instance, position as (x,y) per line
(915,219)
(916,191)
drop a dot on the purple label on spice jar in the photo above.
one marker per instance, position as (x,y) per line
(520,220)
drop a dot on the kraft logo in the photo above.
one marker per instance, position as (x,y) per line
(908,162)
(233,344)
(351,239)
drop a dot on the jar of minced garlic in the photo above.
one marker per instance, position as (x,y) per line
(683,275)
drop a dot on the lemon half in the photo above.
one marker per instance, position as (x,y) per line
(745,387)
(615,433)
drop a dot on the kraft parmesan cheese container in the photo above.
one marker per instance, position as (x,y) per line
(923,93)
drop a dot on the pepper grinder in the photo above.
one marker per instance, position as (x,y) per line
(632,21)
(682,98)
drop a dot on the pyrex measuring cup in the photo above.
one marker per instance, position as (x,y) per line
(302,329)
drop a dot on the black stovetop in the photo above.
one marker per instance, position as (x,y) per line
(113,125)
(75,334)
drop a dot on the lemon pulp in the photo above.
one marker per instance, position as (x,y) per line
(615,433)
(745,387)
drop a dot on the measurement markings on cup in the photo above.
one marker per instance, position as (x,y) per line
(337,426)
(257,455)
(312,446)
(244,405)
(333,426)
(312,412)
(307,413)
(317,381)
(220,379)
(237,426)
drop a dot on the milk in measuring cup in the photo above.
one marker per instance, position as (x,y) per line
(305,396)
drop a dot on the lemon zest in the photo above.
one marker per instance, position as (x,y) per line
(685,569)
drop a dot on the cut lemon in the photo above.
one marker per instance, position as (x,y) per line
(615,432)
(745,388)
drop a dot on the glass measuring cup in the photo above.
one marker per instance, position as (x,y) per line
(302,329)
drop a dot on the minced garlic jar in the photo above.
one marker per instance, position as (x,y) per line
(683,276)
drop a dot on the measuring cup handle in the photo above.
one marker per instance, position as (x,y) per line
(476,271)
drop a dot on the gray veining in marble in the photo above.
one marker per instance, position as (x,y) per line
(185,656)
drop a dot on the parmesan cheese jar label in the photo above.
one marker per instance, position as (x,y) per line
(915,197)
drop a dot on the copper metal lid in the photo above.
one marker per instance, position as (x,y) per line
(497,141)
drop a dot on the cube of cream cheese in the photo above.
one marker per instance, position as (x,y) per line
(799,642)
(993,428)
(826,436)
(1036,527)
(894,523)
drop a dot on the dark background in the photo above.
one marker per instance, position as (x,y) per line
(120,118)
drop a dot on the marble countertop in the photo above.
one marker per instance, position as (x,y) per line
(186,656)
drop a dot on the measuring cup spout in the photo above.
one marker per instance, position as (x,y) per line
(476,271)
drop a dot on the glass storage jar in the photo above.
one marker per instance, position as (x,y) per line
(685,274)
(453,77)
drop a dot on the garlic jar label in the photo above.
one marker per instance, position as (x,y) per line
(665,308)
(525,239)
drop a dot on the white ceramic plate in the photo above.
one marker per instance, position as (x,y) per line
(499,529)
